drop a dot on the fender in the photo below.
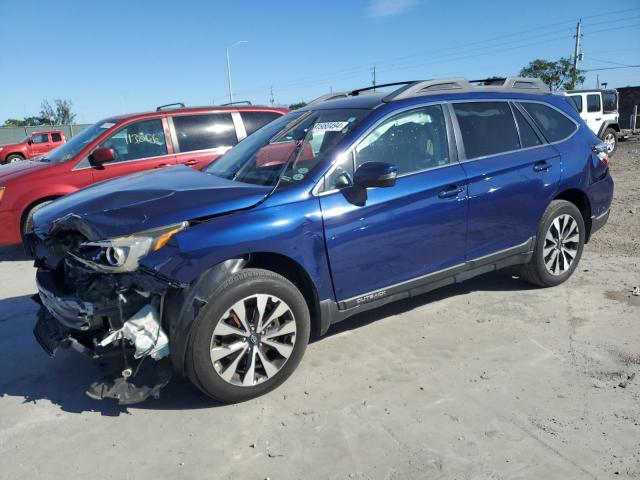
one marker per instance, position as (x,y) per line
(181,307)
(606,124)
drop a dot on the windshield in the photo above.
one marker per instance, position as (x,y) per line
(70,149)
(287,149)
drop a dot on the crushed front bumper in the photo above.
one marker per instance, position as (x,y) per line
(133,347)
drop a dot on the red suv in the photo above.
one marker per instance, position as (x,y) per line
(34,145)
(118,146)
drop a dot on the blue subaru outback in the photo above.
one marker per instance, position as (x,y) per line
(360,199)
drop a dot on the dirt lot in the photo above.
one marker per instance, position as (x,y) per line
(489,379)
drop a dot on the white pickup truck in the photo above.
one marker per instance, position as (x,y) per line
(599,109)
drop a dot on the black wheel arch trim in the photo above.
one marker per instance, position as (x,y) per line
(608,124)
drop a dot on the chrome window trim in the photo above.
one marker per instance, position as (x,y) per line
(464,159)
(315,191)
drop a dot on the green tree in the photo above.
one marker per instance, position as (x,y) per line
(13,122)
(295,106)
(559,74)
(60,114)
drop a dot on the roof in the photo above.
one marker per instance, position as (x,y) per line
(203,109)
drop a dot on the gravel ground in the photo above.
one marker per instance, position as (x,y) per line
(485,380)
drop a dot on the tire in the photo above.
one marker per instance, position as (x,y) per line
(542,270)
(14,157)
(212,362)
(610,137)
(27,223)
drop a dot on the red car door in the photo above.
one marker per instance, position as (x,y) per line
(140,145)
(40,144)
(199,139)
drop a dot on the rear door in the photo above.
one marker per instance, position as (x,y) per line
(512,173)
(199,139)
(380,240)
(593,114)
(140,145)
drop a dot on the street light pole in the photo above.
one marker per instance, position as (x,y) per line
(229,68)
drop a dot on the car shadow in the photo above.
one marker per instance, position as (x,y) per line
(29,373)
(13,253)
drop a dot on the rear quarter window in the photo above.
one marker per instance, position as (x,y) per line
(256,120)
(554,125)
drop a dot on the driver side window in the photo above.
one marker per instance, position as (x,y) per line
(138,140)
(413,141)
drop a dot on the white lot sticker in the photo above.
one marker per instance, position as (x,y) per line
(297,177)
(329,126)
(107,125)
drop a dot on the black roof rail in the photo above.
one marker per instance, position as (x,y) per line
(373,87)
(240,102)
(353,93)
(170,105)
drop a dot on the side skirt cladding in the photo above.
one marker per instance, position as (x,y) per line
(333,312)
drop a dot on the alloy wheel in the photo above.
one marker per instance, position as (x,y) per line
(253,340)
(610,140)
(561,244)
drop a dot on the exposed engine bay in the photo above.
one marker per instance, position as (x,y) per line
(115,317)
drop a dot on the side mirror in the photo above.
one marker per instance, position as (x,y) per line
(375,174)
(100,156)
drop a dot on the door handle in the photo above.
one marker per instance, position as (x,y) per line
(598,119)
(191,162)
(451,191)
(541,166)
(162,165)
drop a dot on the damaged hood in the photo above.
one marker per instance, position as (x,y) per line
(146,200)
(17,169)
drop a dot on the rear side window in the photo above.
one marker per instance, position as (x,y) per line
(528,136)
(593,103)
(487,128)
(553,124)
(609,102)
(577,101)
(256,120)
(56,137)
(201,132)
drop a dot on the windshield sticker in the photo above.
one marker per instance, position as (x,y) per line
(107,125)
(330,126)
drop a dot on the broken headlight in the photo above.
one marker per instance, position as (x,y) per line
(121,254)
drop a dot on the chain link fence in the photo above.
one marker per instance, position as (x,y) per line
(15,134)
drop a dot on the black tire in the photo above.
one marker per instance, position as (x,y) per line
(536,271)
(27,222)
(613,136)
(200,368)
(14,157)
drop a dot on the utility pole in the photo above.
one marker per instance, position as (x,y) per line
(373,77)
(576,54)
(229,68)
(272,100)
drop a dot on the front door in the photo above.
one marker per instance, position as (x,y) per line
(402,232)
(40,144)
(138,146)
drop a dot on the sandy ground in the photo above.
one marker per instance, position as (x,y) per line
(485,380)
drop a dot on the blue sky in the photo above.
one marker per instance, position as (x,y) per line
(134,55)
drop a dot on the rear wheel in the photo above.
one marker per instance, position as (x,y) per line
(611,139)
(559,245)
(249,337)
(14,157)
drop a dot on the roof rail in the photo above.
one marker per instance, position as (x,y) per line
(241,102)
(170,105)
(328,96)
(431,87)
(354,93)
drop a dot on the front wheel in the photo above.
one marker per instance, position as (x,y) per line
(14,157)
(249,337)
(611,139)
(559,244)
